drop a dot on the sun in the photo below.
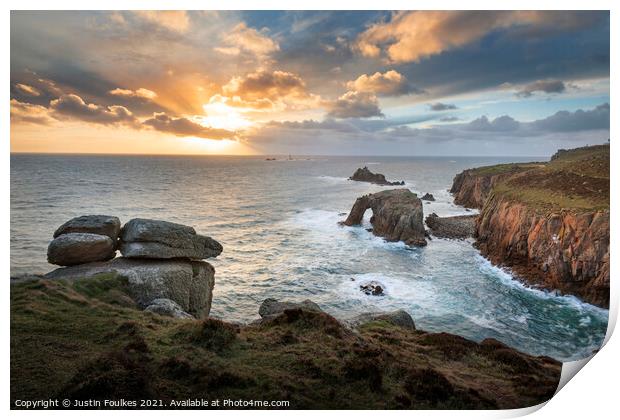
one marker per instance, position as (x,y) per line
(220,115)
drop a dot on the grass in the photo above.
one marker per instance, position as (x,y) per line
(87,339)
(576,180)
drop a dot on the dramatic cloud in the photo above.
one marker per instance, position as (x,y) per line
(173,20)
(438,106)
(22,112)
(139,93)
(262,90)
(390,83)
(74,107)
(245,39)
(546,86)
(355,105)
(27,90)
(580,120)
(411,36)
(183,127)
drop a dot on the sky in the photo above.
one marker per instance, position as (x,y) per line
(451,83)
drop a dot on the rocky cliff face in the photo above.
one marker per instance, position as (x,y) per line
(547,222)
(561,250)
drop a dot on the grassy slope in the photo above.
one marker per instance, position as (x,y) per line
(88,340)
(576,179)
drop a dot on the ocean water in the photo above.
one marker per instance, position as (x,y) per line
(278,223)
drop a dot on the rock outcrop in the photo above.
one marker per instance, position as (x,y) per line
(365,175)
(548,222)
(562,250)
(167,307)
(399,318)
(146,238)
(272,307)
(428,197)
(79,248)
(396,215)
(102,225)
(453,227)
(188,283)
(372,288)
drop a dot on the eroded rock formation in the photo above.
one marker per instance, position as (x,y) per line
(396,215)
(365,175)
(453,227)
(80,248)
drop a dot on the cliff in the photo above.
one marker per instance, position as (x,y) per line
(549,223)
(89,340)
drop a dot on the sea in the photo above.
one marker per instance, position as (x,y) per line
(278,223)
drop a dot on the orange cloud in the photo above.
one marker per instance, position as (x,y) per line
(245,39)
(390,83)
(174,20)
(139,93)
(27,89)
(411,36)
(184,127)
(355,105)
(22,112)
(73,106)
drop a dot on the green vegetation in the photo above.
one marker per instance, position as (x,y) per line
(88,340)
(576,179)
(505,168)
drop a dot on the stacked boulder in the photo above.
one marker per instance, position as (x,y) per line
(161,260)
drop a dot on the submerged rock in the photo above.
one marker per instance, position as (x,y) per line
(167,307)
(102,225)
(454,227)
(428,197)
(79,248)
(365,175)
(372,288)
(397,215)
(146,238)
(271,307)
(399,318)
(188,283)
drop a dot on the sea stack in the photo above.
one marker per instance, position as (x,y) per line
(365,175)
(396,215)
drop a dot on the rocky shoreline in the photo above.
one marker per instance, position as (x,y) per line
(547,222)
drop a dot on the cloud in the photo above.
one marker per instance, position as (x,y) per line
(412,36)
(184,127)
(500,124)
(355,105)
(245,39)
(264,90)
(438,106)
(546,86)
(390,83)
(139,93)
(449,119)
(27,89)
(22,112)
(173,20)
(73,106)
(580,120)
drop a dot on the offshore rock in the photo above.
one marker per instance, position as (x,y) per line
(454,227)
(365,175)
(397,215)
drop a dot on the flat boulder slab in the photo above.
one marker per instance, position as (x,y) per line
(454,227)
(272,307)
(399,318)
(146,238)
(397,215)
(188,283)
(365,175)
(102,225)
(167,307)
(79,248)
